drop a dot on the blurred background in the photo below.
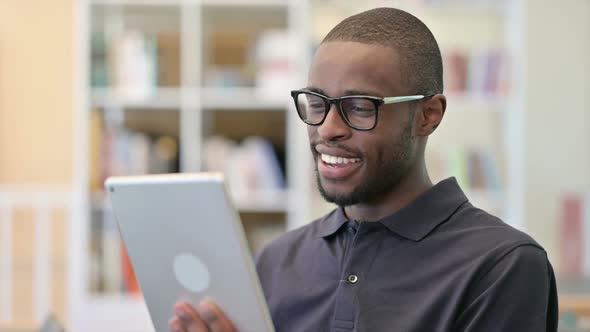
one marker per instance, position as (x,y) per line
(94,88)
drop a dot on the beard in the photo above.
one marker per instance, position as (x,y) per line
(390,170)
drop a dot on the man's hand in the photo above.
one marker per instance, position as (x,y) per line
(207,318)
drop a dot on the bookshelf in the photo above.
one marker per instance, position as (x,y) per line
(164,87)
(199,83)
(482,95)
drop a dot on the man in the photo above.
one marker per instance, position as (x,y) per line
(399,254)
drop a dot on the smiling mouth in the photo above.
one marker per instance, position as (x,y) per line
(337,168)
(337,161)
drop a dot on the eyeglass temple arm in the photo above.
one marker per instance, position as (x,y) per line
(401,99)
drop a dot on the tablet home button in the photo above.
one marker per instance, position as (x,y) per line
(191,272)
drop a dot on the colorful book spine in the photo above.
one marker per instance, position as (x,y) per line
(573,228)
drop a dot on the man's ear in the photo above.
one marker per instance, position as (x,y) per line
(430,115)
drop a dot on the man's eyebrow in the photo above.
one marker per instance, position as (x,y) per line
(351,92)
(314,89)
(354,92)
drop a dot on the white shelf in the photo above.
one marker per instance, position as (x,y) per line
(476,103)
(211,99)
(245,3)
(161,98)
(126,313)
(217,3)
(144,2)
(242,99)
(463,7)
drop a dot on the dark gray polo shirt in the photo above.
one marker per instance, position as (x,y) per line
(439,264)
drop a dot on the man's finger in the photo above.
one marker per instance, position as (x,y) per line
(175,325)
(215,318)
(189,318)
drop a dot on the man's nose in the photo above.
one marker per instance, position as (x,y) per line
(334,127)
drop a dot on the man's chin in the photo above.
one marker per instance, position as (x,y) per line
(341,193)
(338,197)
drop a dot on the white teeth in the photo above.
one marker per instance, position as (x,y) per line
(338,160)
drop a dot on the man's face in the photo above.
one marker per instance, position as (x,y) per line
(368,164)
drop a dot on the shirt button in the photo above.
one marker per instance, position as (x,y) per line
(352,278)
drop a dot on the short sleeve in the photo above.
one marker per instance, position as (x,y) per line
(518,293)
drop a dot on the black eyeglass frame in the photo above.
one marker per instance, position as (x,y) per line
(328,101)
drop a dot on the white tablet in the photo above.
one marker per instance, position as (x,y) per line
(186,241)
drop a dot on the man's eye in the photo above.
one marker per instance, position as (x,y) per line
(360,111)
(315,106)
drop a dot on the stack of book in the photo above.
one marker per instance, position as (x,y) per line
(135,63)
(115,151)
(484,73)
(476,169)
(251,167)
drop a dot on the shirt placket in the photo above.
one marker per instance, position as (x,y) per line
(351,279)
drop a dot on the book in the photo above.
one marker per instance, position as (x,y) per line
(99,74)
(117,150)
(250,166)
(573,229)
(479,73)
(111,263)
(455,71)
(133,57)
(458,167)
(168,58)
(274,52)
(129,281)
(483,170)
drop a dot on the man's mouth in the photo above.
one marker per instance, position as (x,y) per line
(337,161)
(333,167)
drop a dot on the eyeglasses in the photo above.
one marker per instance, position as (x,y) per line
(359,112)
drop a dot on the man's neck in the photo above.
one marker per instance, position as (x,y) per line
(405,192)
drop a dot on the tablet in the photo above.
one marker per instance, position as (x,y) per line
(186,242)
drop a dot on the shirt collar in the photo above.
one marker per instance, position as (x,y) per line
(331,223)
(416,220)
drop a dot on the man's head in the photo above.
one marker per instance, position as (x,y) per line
(420,59)
(383,52)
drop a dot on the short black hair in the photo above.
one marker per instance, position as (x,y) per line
(421,61)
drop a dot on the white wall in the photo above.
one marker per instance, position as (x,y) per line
(557,139)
